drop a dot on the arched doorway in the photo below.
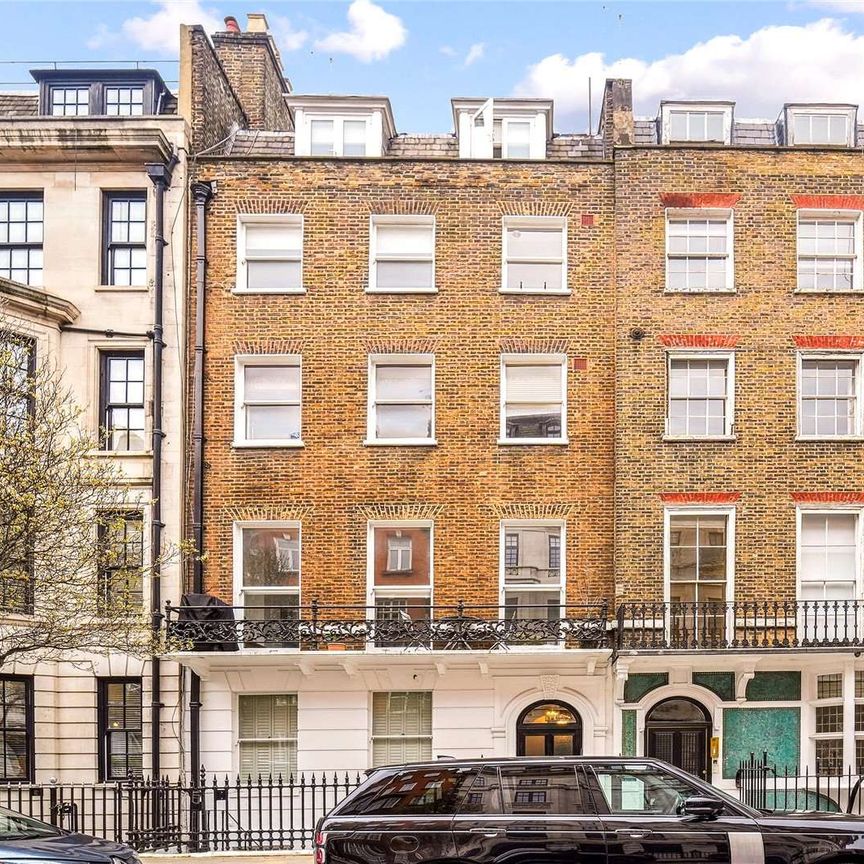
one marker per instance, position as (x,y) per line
(678,730)
(549,729)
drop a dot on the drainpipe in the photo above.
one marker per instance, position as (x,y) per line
(160,174)
(202,193)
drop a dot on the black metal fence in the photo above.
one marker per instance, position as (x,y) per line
(786,789)
(415,625)
(744,625)
(216,814)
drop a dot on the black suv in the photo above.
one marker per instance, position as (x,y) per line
(568,811)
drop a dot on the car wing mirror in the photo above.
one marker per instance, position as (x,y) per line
(702,807)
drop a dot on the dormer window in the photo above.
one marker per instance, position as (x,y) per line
(502,128)
(341,126)
(821,126)
(338,136)
(706,123)
(100,93)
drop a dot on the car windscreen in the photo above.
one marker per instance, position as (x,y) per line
(14,826)
(414,791)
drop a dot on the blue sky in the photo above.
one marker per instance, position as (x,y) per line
(420,54)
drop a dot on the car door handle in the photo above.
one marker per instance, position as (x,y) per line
(486,832)
(634,833)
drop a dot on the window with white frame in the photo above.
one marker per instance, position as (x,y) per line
(267,733)
(511,138)
(267,569)
(821,127)
(70,101)
(535,254)
(828,557)
(400,577)
(699,250)
(859,722)
(697,123)
(699,552)
(270,254)
(532,570)
(829,251)
(402,253)
(828,723)
(401,727)
(700,395)
(533,399)
(338,136)
(829,396)
(401,399)
(267,400)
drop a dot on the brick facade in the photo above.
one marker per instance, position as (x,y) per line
(468,481)
(765,321)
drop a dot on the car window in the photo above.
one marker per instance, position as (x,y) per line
(14,826)
(643,789)
(484,794)
(416,791)
(541,790)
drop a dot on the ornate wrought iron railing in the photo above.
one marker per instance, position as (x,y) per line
(408,627)
(742,625)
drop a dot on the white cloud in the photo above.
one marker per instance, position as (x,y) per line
(286,36)
(820,61)
(448,50)
(373,35)
(475,53)
(159,32)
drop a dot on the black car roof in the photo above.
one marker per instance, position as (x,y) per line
(447,761)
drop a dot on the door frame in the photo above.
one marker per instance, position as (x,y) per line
(707,726)
(576,729)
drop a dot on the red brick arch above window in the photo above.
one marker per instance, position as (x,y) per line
(690,340)
(700,199)
(828,497)
(833,342)
(699,497)
(828,202)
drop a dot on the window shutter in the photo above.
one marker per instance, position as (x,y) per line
(538,137)
(272,240)
(533,383)
(404,239)
(482,131)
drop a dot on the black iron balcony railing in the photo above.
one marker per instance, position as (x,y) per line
(356,628)
(743,625)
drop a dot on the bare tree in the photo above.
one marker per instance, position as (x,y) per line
(71,553)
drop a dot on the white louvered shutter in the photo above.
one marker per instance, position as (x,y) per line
(268,736)
(401,727)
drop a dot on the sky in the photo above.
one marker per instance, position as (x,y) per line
(421,54)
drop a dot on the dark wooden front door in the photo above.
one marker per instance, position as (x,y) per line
(679,732)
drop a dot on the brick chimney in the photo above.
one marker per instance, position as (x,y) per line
(616,115)
(254,69)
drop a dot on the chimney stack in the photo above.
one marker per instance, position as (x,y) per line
(616,115)
(231,24)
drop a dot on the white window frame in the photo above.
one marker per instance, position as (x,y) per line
(794,111)
(338,121)
(292,220)
(374,222)
(376,360)
(729,357)
(504,586)
(854,216)
(238,740)
(270,525)
(528,222)
(821,510)
(390,691)
(241,361)
(858,357)
(531,360)
(668,109)
(729,514)
(708,213)
(508,121)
